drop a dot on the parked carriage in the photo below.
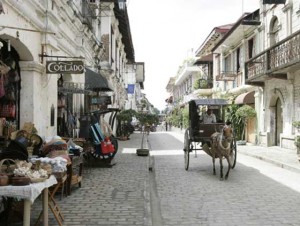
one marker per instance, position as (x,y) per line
(197,134)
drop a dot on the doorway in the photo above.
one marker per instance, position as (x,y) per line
(278,121)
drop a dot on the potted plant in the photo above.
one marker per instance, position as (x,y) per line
(124,126)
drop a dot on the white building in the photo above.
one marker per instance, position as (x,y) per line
(95,34)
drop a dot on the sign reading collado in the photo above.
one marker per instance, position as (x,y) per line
(65,67)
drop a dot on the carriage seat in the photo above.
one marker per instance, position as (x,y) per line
(206,130)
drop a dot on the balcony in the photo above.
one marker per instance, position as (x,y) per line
(275,61)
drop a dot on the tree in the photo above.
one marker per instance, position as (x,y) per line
(124,122)
(147,118)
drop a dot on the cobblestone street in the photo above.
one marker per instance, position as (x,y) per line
(256,192)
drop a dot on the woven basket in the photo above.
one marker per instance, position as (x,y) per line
(7,166)
(37,180)
(56,153)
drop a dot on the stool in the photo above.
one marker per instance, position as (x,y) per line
(52,203)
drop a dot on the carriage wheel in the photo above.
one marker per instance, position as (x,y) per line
(233,153)
(186,149)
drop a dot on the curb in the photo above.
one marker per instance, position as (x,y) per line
(274,162)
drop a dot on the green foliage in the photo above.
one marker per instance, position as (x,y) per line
(156,111)
(238,117)
(197,84)
(147,118)
(126,115)
(185,116)
(245,112)
(297,141)
(296,124)
(178,116)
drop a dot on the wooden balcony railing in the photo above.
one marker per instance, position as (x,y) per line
(274,61)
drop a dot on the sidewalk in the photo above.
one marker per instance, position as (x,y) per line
(282,157)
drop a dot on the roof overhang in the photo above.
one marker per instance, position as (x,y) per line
(245,25)
(204,59)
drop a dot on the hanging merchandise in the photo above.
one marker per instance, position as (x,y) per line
(8,110)
(13,76)
(10,93)
(4,69)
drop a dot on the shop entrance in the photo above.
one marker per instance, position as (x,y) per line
(9,89)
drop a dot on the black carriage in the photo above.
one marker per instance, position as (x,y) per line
(199,133)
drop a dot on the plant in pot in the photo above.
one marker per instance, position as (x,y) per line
(124,124)
(147,119)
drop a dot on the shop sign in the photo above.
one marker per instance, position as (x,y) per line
(226,77)
(64,67)
(274,1)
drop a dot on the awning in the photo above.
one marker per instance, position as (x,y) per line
(95,81)
(245,98)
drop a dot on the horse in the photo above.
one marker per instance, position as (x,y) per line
(220,147)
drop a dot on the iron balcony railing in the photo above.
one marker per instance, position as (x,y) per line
(274,60)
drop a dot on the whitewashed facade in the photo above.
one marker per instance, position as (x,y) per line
(41,30)
(275,69)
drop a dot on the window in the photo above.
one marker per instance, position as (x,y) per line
(227,63)
(238,63)
(250,48)
(274,30)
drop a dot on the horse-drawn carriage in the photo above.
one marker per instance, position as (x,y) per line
(203,136)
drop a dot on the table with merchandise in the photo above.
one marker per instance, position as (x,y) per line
(29,193)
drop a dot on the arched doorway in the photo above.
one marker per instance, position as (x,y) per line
(278,121)
(12,51)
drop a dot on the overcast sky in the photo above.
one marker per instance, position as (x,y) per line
(165,31)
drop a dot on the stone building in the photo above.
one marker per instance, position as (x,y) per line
(89,45)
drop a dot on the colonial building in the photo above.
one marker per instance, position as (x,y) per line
(65,56)
(238,45)
(274,68)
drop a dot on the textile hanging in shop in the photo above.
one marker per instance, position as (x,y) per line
(130,89)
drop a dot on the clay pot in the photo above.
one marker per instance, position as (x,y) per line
(4,180)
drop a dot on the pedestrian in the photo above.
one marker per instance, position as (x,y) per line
(166,126)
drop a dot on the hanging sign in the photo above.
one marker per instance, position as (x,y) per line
(64,67)
(226,76)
